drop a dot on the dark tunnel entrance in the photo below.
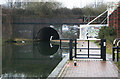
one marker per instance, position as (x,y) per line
(47,33)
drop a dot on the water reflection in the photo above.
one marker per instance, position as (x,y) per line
(29,60)
(47,48)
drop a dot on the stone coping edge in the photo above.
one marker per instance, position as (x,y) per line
(59,67)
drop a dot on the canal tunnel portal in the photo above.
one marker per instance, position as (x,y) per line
(47,34)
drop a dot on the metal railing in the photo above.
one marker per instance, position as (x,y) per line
(73,45)
(116,44)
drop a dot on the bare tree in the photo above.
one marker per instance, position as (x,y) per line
(10,3)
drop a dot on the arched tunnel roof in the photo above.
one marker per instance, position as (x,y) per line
(46,33)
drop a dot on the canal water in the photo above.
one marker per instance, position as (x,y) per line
(36,59)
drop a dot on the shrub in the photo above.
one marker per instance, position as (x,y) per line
(107,33)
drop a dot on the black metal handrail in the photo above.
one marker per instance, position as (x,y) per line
(116,47)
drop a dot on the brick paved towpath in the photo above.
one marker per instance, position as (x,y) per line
(88,67)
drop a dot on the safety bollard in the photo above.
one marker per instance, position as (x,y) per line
(75,63)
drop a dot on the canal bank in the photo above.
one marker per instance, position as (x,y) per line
(59,67)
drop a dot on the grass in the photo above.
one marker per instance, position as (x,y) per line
(0,42)
(118,65)
(19,40)
(97,43)
(0,49)
(108,47)
(29,40)
(109,51)
(116,55)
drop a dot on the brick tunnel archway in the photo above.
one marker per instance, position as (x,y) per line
(47,33)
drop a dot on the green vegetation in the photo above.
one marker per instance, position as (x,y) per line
(89,10)
(118,65)
(0,41)
(51,9)
(116,55)
(109,34)
(97,43)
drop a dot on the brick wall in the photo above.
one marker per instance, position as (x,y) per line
(114,20)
